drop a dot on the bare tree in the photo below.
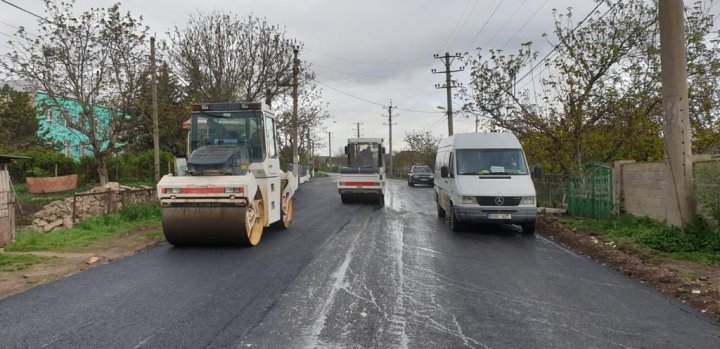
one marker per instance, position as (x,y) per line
(312,112)
(89,65)
(223,58)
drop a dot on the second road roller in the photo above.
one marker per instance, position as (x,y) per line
(233,187)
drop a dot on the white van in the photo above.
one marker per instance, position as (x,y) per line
(484,177)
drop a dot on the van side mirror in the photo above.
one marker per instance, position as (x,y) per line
(444,172)
(537,172)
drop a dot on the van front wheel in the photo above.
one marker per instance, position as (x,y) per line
(455,225)
(528,228)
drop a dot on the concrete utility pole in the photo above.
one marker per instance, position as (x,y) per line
(449,83)
(156,127)
(329,148)
(357,125)
(679,206)
(390,125)
(296,72)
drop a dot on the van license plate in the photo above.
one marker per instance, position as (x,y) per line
(499,216)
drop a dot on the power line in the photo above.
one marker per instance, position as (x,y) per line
(348,94)
(555,47)
(469,14)
(525,24)
(477,35)
(16,27)
(506,23)
(367,63)
(26,11)
(367,100)
(349,73)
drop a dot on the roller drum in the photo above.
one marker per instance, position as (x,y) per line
(194,226)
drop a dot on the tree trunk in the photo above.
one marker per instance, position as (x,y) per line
(101,160)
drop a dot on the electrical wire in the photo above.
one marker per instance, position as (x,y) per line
(520,6)
(555,47)
(349,73)
(370,101)
(477,35)
(525,24)
(26,11)
(367,63)
(469,14)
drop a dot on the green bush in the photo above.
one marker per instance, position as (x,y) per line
(137,212)
(707,187)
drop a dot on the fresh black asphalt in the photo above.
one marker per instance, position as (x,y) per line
(356,275)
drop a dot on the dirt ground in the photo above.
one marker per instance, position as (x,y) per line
(68,263)
(692,283)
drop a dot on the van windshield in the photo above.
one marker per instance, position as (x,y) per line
(491,162)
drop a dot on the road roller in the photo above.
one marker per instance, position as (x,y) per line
(364,176)
(233,187)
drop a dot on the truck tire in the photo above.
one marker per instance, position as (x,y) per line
(381,200)
(344,198)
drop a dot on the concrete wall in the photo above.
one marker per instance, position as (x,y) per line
(639,188)
(7,210)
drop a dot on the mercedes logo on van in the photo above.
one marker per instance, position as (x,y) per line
(499,200)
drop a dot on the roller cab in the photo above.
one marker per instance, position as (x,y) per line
(364,176)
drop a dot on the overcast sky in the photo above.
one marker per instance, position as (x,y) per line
(365,51)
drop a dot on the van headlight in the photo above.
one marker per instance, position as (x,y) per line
(527,200)
(469,200)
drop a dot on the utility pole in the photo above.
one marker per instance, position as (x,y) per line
(449,83)
(296,72)
(357,124)
(390,125)
(679,206)
(156,127)
(329,148)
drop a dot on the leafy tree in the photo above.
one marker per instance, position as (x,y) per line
(95,59)
(18,123)
(173,110)
(582,115)
(224,58)
(423,147)
(602,98)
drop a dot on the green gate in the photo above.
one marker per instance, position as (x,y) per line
(590,193)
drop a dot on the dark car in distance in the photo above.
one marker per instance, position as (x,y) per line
(421,174)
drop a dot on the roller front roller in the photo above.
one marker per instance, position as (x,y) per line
(214,225)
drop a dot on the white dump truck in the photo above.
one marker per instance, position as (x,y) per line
(234,186)
(364,175)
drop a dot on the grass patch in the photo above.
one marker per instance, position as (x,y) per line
(320,174)
(158,234)
(698,242)
(14,262)
(88,231)
(25,198)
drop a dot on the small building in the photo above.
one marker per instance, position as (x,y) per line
(7,201)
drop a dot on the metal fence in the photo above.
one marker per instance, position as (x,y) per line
(590,192)
(551,190)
